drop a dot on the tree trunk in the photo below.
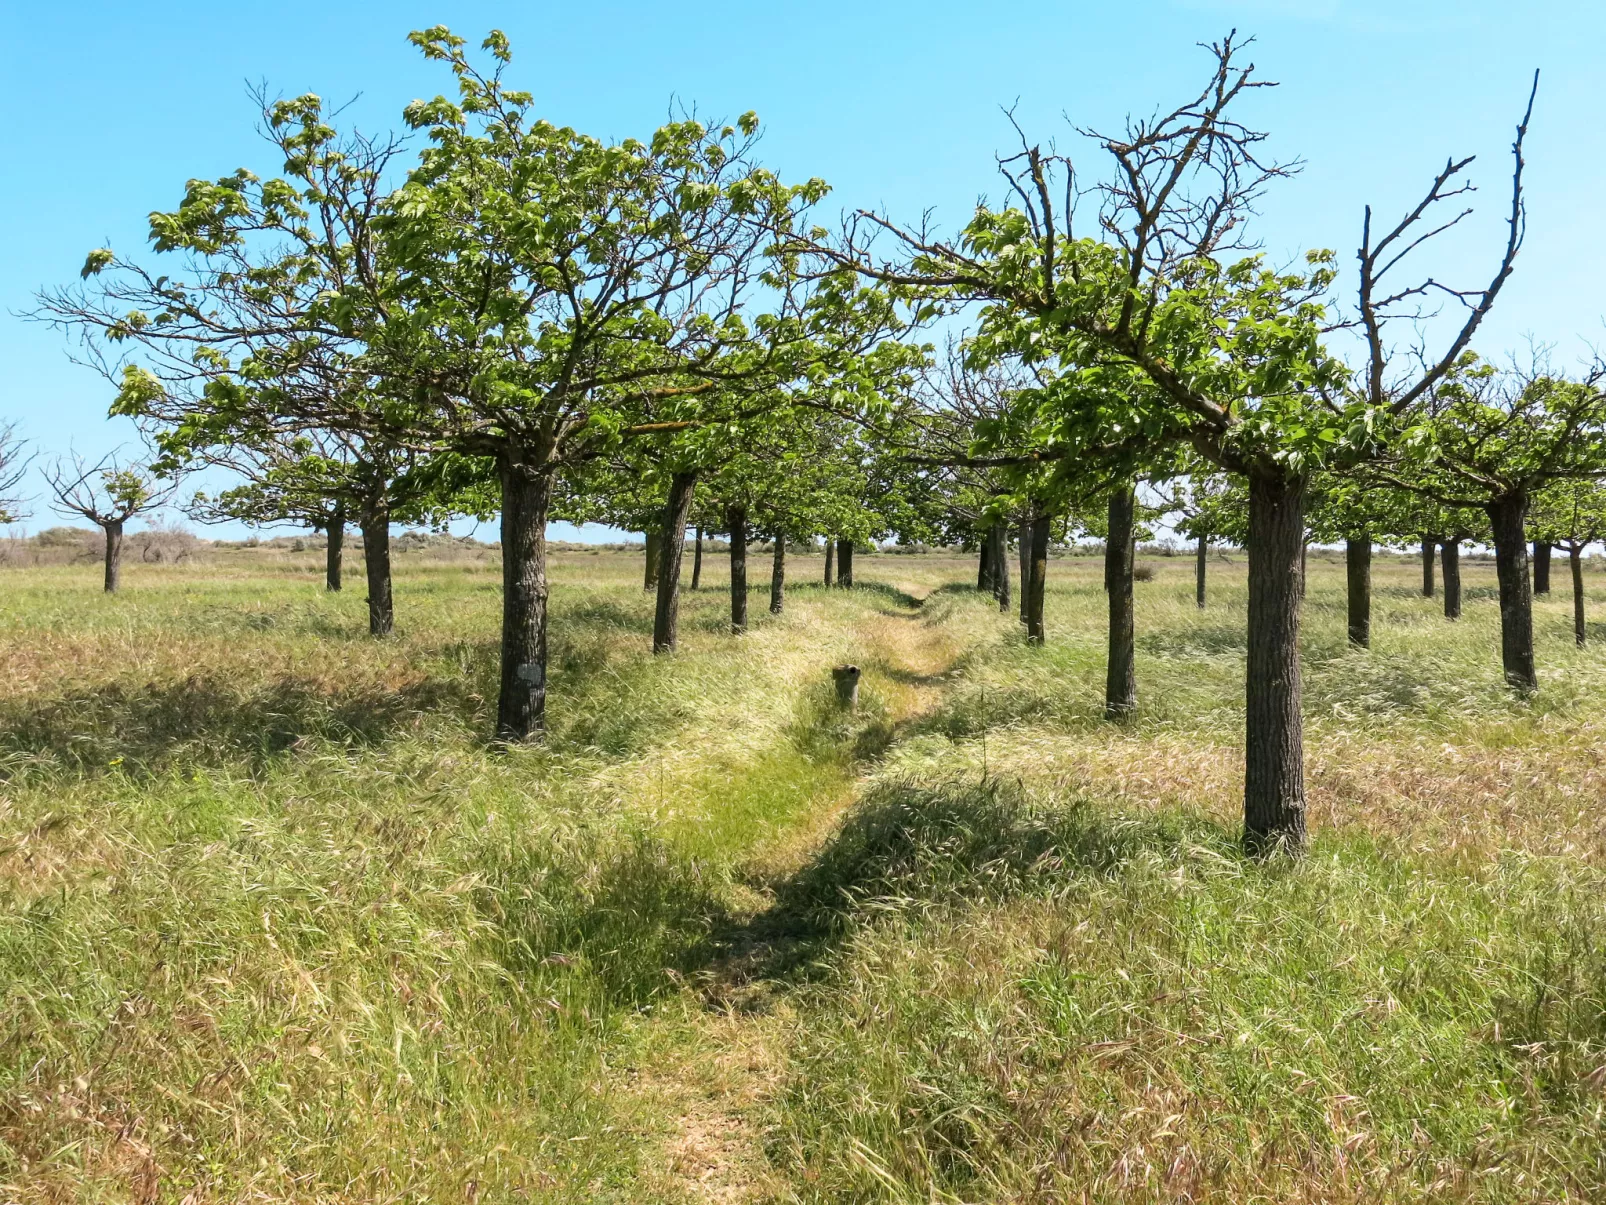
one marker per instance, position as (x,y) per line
(114,554)
(1274,738)
(1509,516)
(1358,577)
(830,561)
(652,560)
(671,551)
(1428,547)
(844,564)
(521,700)
(1541,567)
(1575,557)
(697,562)
(778,576)
(736,521)
(1024,536)
(1201,555)
(1120,678)
(1035,631)
(1450,553)
(984,567)
(334,553)
(375,526)
(1000,561)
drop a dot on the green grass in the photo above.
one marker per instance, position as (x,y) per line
(278,923)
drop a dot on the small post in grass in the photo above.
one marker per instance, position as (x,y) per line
(846,678)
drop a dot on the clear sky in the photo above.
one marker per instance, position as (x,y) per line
(112,106)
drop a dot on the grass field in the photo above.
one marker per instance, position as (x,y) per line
(276,924)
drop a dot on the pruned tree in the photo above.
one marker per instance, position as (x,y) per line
(108,493)
(1163,287)
(1572,515)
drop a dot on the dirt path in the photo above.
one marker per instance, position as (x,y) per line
(715,1080)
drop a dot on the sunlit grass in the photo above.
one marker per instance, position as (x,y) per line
(278,923)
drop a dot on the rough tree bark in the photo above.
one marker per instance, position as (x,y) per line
(1036,633)
(1358,577)
(697,562)
(778,576)
(736,523)
(844,564)
(651,560)
(1509,516)
(830,562)
(114,554)
(334,551)
(1274,737)
(1120,678)
(1000,561)
(1575,559)
(1541,567)
(1428,549)
(521,698)
(1201,556)
(671,551)
(375,525)
(1450,554)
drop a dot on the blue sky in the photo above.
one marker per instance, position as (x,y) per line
(113,106)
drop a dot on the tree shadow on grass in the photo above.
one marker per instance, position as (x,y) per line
(911,847)
(205,721)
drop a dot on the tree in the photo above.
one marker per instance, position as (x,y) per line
(1493,440)
(108,494)
(1572,515)
(1229,351)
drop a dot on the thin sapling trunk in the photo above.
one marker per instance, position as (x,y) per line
(1201,557)
(778,576)
(1036,633)
(697,562)
(1575,561)
(830,562)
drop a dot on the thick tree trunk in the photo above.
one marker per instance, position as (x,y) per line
(844,564)
(652,560)
(736,521)
(376,565)
(1428,548)
(521,700)
(671,551)
(1201,556)
(830,561)
(1274,759)
(778,576)
(697,562)
(1358,576)
(1575,558)
(1120,678)
(1036,633)
(334,551)
(1450,554)
(114,554)
(999,535)
(1509,516)
(1024,536)
(1541,567)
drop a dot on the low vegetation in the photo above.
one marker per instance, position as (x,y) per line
(278,924)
